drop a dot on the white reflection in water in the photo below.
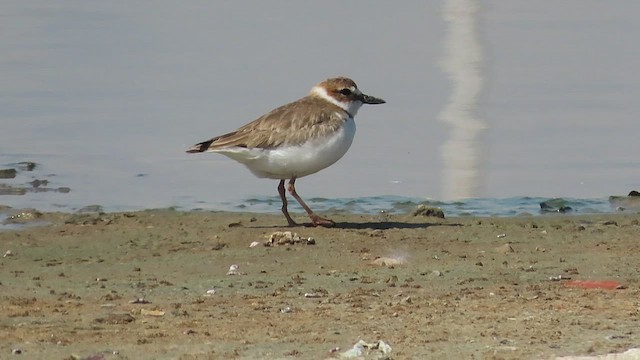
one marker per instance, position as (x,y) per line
(462,153)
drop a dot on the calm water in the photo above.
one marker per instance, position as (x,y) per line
(509,100)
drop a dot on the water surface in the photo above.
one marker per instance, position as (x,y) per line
(106,96)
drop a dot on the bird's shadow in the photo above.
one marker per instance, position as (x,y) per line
(371,225)
(387,225)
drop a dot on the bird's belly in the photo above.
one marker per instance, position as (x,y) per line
(297,161)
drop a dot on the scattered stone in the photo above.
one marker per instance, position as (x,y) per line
(500,236)
(254,244)
(16,351)
(362,348)
(312,295)
(25,165)
(558,205)
(88,219)
(288,238)
(233,270)
(10,190)
(616,337)
(210,292)
(282,237)
(504,249)
(140,301)
(406,301)
(23,216)
(429,211)
(113,319)
(8,253)
(389,261)
(631,354)
(91,209)
(7,173)
(219,245)
(37,183)
(151,312)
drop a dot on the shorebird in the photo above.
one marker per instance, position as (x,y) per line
(296,139)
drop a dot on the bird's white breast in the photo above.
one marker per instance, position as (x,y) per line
(296,161)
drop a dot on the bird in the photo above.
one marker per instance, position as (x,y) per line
(296,139)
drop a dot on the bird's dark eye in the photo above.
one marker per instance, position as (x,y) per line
(345,91)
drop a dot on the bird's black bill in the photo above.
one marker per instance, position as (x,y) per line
(366,99)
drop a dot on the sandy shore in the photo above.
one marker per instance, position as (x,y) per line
(155,285)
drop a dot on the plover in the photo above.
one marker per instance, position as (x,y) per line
(296,139)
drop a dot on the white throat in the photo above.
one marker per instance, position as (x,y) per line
(351,107)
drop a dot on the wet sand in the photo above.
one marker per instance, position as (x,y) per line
(134,286)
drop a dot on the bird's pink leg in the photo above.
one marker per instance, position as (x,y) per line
(315,219)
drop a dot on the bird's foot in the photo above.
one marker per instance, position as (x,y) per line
(320,221)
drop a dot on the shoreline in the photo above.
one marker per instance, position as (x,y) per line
(372,205)
(469,286)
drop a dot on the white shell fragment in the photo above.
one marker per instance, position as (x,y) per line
(210,292)
(358,350)
(140,301)
(559,277)
(288,238)
(233,270)
(389,261)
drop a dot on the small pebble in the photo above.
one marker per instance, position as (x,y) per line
(504,249)
(233,270)
(140,301)
(559,277)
